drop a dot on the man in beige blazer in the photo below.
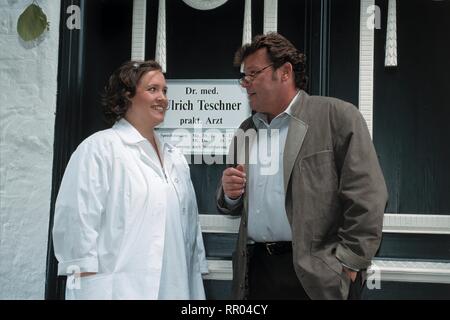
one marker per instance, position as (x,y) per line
(309,230)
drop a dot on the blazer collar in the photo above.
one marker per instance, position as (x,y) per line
(297,106)
(296,135)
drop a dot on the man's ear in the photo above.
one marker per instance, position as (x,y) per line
(286,71)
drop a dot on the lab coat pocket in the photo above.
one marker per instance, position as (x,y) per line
(94,287)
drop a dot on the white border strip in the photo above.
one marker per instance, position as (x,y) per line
(219,270)
(270,16)
(161,49)
(366,48)
(413,271)
(416,223)
(138,30)
(390,59)
(390,270)
(247,28)
(393,223)
(217,223)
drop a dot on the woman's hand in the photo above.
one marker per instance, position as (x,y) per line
(86,274)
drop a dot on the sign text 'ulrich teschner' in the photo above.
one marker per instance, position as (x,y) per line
(203,114)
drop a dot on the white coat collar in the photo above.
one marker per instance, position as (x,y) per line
(127,132)
(131,135)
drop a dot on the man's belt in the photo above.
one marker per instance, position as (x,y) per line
(273,248)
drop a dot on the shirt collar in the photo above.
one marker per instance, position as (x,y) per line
(287,112)
(289,108)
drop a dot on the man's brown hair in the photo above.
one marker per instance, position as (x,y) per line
(280,50)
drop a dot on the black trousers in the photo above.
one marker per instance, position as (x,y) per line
(272,277)
(356,288)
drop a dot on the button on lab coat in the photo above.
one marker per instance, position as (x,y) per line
(110,217)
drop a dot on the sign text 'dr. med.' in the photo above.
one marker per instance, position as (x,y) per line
(208,103)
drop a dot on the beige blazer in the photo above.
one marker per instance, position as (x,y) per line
(335,196)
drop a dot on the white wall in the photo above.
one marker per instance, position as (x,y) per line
(28,75)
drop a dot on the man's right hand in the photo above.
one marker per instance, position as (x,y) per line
(233,182)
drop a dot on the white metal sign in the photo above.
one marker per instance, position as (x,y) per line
(203,114)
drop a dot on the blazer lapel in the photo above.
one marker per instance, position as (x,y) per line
(244,144)
(294,141)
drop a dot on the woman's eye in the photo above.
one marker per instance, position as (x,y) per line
(152,90)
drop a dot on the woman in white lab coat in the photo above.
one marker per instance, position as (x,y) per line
(126,223)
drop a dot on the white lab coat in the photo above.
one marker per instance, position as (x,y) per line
(110,217)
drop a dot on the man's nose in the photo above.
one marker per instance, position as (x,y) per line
(246,85)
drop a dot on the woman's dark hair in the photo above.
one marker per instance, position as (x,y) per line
(280,50)
(122,86)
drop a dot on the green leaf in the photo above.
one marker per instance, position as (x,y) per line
(32,23)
